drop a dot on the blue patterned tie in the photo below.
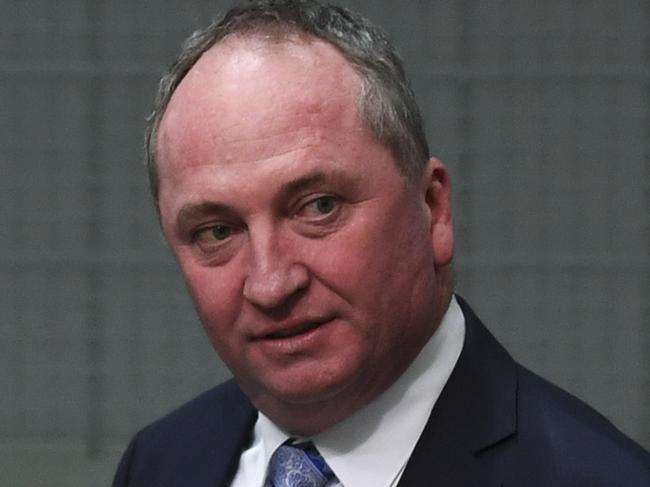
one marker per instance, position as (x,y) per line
(298,466)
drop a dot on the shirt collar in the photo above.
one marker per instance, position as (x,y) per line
(373,446)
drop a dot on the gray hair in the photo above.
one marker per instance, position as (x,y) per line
(387,104)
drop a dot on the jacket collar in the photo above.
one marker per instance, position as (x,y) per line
(229,436)
(476,412)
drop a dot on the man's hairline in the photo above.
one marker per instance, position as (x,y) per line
(271,34)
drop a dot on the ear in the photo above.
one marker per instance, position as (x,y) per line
(436,185)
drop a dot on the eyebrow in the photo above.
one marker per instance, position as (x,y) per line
(314,179)
(299,184)
(195,211)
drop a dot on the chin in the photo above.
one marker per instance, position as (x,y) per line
(305,412)
(299,400)
(301,392)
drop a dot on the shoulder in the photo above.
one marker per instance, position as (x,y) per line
(579,444)
(210,412)
(198,440)
(546,436)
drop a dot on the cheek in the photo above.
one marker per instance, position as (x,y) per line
(217,298)
(384,269)
(374,252)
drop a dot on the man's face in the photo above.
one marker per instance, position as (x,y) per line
(310,259)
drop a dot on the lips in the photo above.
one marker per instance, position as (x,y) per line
(290,329)
(292,332)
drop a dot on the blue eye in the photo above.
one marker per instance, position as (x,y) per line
(217,241)
(325,204)
(221,232)
(320,209)
(213,235)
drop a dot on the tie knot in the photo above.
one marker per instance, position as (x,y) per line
(298,465)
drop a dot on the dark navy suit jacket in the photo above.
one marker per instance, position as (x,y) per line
(495,424)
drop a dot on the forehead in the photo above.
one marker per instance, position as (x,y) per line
(250,89)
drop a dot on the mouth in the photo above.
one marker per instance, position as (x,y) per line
(294,337)
(293,332)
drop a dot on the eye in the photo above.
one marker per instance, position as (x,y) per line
(220,232)
(320,207)
(325,205)
(211,238)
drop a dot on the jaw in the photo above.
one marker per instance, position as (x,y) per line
(300,416)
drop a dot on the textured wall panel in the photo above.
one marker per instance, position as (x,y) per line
(540,109)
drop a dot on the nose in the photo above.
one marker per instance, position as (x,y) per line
(274,275)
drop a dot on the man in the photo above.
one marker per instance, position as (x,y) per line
(295,188)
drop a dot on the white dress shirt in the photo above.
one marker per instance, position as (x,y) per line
(372,446)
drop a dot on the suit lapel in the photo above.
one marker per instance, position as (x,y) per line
(476,410)
(215,455)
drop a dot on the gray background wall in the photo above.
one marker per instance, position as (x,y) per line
(540,109)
